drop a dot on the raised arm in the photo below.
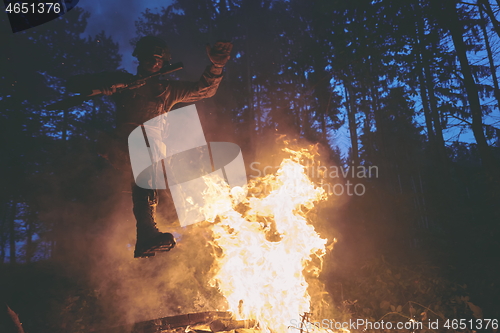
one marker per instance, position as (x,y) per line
(187,92)
(85,83)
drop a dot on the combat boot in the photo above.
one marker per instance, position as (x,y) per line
(149,238)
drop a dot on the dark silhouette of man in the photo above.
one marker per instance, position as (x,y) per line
(136,106)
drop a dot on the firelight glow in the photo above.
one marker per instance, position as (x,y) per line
(263,253)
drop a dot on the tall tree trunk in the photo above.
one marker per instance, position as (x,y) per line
(12,233)
(456,31)
(381,131)
(65,126)
(425,102)
(490,56)
(29,224)
(351,116)
(303,116)
(3,234)
(325,117)
(486,6)
(438,129)
(425,56)
(420,49)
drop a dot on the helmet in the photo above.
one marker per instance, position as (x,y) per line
(152,46)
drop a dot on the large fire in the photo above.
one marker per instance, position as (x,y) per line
(265,244)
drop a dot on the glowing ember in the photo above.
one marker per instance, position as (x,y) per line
(263,252)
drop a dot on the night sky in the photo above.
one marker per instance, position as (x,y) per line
(117,18)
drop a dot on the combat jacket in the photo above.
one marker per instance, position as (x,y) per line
(136,106)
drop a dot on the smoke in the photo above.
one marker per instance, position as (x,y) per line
(133,290)
(95,232)
(171,283)
(97,239)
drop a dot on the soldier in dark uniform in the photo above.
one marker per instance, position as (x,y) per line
(136,106)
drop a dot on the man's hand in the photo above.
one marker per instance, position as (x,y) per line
(219,54)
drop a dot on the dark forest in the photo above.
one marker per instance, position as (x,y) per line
(409,86)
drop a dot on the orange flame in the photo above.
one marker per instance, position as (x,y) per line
(264,251)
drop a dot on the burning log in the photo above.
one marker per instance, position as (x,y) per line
(210,321)
(191,319)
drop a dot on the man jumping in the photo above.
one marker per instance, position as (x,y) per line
(135,107)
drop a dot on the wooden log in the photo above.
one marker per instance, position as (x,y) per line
(194,319)
(170,323)
(16,323)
